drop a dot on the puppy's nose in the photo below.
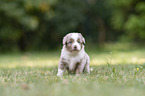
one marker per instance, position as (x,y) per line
(75,47)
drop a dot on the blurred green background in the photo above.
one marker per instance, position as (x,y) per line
(29,25)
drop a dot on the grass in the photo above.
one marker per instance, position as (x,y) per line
(114,73)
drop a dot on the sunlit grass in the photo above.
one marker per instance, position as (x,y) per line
(52,59)
(113,73)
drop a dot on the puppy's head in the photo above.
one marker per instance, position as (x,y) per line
(74,42)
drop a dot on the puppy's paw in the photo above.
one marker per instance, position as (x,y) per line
(77,75)
(59,74)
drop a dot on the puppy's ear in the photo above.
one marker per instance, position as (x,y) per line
(84,42)
(83,39)
(65,40)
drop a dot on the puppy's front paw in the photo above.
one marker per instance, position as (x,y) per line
(59,74)
(77,75)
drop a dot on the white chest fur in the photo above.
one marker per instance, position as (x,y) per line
(72,58)
(73,61)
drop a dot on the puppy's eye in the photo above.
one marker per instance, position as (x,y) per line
(79,42)
(70,42)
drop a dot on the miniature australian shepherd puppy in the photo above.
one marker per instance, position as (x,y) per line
(73,56)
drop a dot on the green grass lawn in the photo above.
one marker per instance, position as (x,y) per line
(113,73)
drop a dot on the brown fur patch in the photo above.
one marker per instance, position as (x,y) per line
(63,63)
(69,44)
(77,69)
(71,41)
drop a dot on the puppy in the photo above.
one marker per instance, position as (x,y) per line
(73,56)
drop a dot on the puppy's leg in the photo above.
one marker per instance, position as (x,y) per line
(88,68)
(87,65)
(61,69)
(79,69)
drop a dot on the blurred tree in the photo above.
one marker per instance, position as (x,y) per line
(129,16)
(41,24)
(99,12)
(22,23)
